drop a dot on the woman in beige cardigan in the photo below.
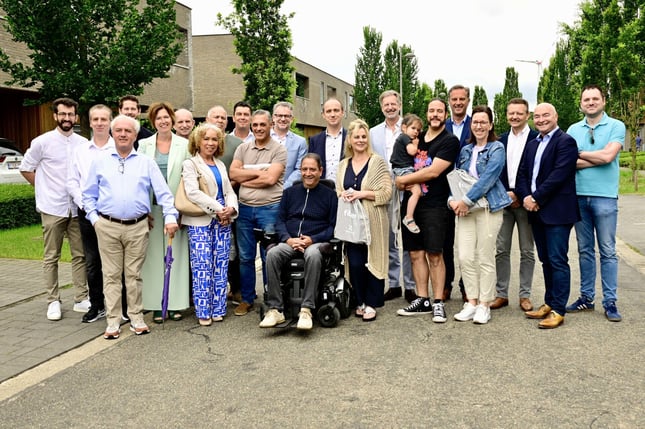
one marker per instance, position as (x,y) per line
(209,235)
(363,175)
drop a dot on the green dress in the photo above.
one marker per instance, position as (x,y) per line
(154,266)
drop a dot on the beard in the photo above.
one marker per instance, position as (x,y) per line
(65,124)
(432,122)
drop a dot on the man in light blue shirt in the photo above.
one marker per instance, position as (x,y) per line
(600,139)
(116,198)
(295,144)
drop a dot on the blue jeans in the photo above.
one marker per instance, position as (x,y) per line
(263,217)
(552,244)
(599,215)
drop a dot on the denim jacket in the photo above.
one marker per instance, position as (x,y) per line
(490,163)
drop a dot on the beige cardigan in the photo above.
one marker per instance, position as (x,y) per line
(377,179)
(207,202)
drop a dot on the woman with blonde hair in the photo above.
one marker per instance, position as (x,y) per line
(209,235)
(363,175)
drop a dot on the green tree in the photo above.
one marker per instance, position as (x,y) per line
(421,99)
(479,96)
(368,78)
(511,90)
(400,73)
(632,112)
(557,87)
(440,90)
(93,51)
(263,43)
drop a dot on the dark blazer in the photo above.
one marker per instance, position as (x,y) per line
(556,181)
(464,134)
(504,139)
(317,144)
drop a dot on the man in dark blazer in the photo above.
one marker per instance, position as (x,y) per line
(546,185)
(329,143)
(514,141)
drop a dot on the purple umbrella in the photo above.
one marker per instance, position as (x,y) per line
(166,280)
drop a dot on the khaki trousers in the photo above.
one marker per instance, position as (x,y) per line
(54,230)
(123,250)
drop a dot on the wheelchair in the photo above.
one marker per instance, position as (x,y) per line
(333,299)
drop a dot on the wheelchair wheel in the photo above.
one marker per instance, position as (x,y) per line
(328,316)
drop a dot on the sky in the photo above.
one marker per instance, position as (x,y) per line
(467,42)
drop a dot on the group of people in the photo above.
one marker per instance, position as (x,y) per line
(113,197)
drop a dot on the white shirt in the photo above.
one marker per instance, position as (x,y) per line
(249,137)
(514,148)
(49,156)
(390,138)
(333,146)
(82,158)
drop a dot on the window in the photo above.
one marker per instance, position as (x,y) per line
(302,86)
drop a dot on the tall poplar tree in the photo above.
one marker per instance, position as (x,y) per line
(511,90)
(368,78)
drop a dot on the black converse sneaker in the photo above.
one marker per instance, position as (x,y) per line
(418,307)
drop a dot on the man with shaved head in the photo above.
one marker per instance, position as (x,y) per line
(184,122)
(546,185)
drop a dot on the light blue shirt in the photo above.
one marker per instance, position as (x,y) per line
(120,188)
(543,143)
(296,150)
(600,180)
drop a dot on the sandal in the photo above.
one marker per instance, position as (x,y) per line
(360,310)
(157,317)
(411,225)
(175,315)
(369,314)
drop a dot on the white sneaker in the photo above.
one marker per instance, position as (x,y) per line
(53,311)
(83,306)
(272,318)
(482,314)
(304,320)
(467,313)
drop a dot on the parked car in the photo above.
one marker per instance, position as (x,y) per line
(10,159)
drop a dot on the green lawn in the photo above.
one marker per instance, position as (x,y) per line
(26,243)
(626,185)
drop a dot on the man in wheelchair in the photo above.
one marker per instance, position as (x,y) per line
(306,221)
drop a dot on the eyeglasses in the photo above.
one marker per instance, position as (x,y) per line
(591,134)
(281,116)
(480,123)
(121,165)
(66,115)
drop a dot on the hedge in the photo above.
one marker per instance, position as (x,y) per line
(17,206)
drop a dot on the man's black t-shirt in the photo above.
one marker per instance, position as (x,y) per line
(446,147)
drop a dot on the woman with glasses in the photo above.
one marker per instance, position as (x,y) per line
(169,151)
(483,158)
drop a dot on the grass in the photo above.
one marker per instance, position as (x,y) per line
(27,243)
(626,184)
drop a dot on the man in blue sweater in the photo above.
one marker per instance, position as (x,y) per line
(306,220)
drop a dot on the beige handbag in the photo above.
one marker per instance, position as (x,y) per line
(184,205)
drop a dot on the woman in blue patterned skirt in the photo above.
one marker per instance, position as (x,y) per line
(209,235)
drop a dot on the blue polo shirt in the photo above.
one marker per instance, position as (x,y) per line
(601,180)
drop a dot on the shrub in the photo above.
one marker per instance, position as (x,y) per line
(625,159)
(17,206)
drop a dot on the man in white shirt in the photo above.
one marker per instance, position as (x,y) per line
(329,143)
(517,115)
(45,166)
(242,119)
(84,155)
(382,137)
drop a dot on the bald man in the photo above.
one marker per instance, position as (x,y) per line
(184,122)
(546,185)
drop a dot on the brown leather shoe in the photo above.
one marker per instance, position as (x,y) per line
(243,308)
(553,320)
(498,303)
(525,304)
(540,313)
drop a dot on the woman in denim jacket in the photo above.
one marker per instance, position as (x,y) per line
(483,158)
